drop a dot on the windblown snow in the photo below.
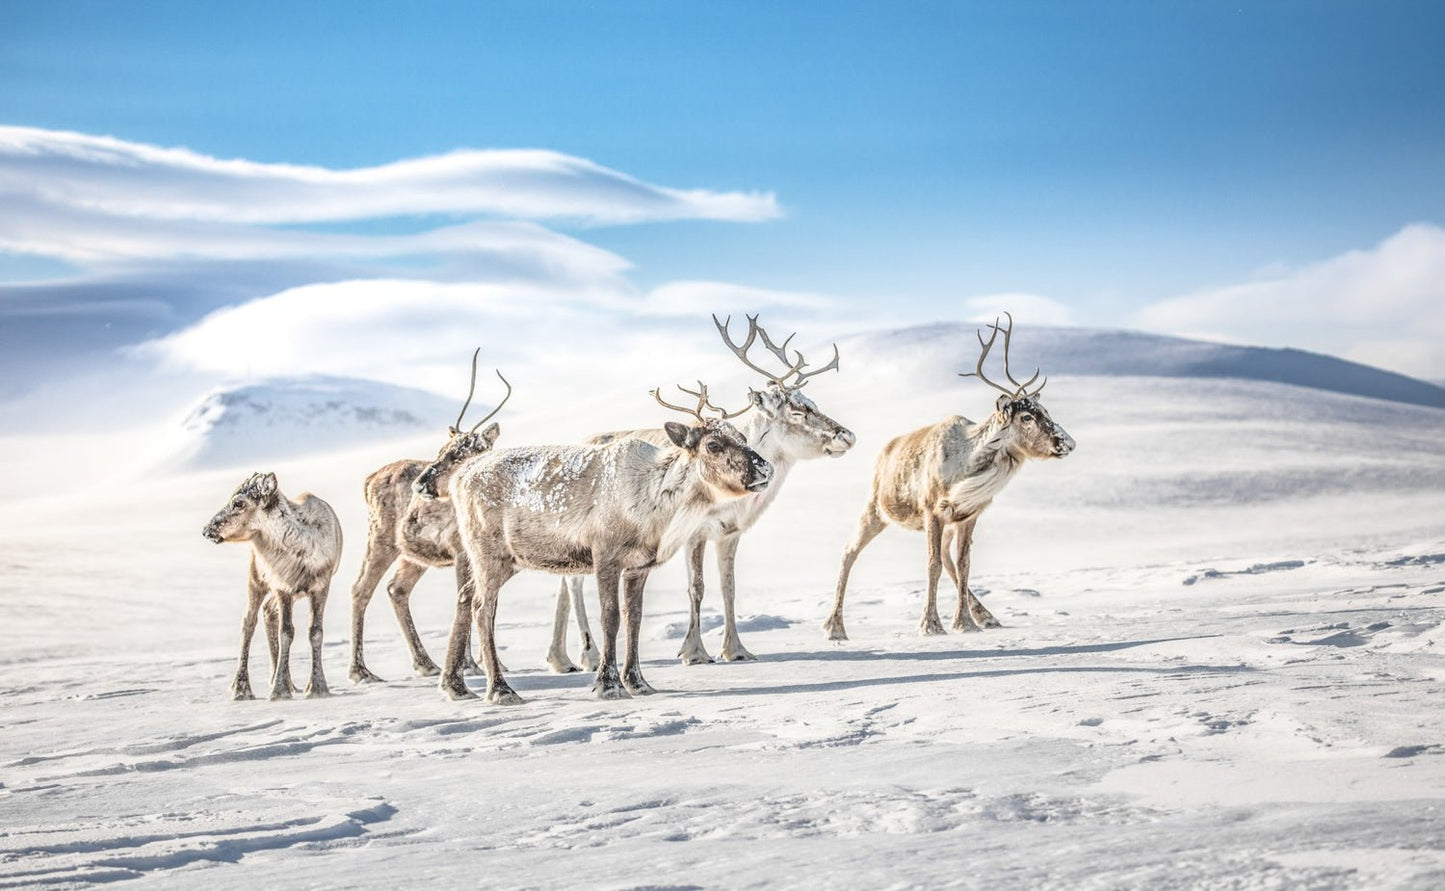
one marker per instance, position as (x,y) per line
(1222,663)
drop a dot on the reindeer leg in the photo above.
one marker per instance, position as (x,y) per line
(271,611)
(608,684)
(379,557)
(933,529)
(488,585)
(978,613)
(398,591)
(316,686)
(632,667)
(692,651)
(589,646)
(727,552)
(869,525)
(281,686)
(557,656)
(255,593)
(472,667)
(959,533)
(453,685)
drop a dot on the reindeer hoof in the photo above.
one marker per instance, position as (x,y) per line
(988,622)
(737,654)
(591,659)
(931,626)
(456,689)
(317,691)
(430,670)
(504,696)
(638,687)
(562,664)
(694,655)
(360,674)
(610,692)
(834,627)
(242,693)
(280,693)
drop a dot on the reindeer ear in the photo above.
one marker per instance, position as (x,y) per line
(678,433)
(1003,401)
(490,433)
(266,485)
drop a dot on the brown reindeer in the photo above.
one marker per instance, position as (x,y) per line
(617,510)
(940,478)
(414,533)
(295,547)
(785,427)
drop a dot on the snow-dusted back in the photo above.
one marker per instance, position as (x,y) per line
(289,417)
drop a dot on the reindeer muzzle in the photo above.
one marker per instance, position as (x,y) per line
(762,473)
(425,486)
(212,533)
(1063,444)
(843,440)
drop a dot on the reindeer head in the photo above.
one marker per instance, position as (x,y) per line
(1025,427)
(460,447)
(801,429)
(236,521)
(727,465)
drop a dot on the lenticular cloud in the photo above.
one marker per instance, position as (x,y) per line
(115,177)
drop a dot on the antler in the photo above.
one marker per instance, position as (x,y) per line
(499,405)
(779,350)
(702,402)
(1019,389)
(473,389)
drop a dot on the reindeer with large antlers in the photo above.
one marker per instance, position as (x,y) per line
(940,478)
(414,533)
(785,427)
(617,510)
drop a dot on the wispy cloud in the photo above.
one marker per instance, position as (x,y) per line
(1381,306)
(113,177)
(1032,309)
(691,298)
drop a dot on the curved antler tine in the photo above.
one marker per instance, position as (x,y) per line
(1008,334)
(741,350)
(470,390)
(983,354)
(723,414)
(802,378)
(491,414)
(696,413)
(1034,394)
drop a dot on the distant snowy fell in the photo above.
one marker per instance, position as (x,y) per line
(284,417)
(953,347)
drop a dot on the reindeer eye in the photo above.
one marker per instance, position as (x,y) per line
(1026,418)
(714,447)
(238,504)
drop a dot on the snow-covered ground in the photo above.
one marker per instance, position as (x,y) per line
(1222,666)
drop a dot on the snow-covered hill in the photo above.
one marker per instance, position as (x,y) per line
(946,348)
(291,417)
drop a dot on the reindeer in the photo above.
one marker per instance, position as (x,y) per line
(617,510)
(295,547)
(416,532)
(785,427)
(940,478)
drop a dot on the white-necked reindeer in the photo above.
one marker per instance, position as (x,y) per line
(617,510)
(414,533)
(940,478)
(785,427)
(295,548)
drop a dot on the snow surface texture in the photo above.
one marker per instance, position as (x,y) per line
(1222,666)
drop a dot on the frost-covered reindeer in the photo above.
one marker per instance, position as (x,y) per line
(295,547)
(785,427)
(940,478)
(617,510)
(414,533)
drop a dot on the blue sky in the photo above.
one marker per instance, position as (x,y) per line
(1105,157)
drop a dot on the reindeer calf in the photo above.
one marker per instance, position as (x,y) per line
(295,548)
